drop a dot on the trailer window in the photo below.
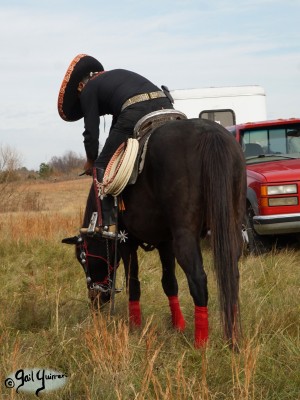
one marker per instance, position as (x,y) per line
(223,117)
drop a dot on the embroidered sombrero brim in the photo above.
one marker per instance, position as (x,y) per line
(68,100)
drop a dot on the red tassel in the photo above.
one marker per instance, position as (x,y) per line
(201,326)
(135,318)
(177,317)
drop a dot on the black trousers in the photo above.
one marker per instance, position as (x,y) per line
(122,129)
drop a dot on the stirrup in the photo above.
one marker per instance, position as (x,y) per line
(109,232)
(94,228)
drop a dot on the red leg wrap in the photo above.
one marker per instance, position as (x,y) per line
(177,317)
(135,318)
(201,326)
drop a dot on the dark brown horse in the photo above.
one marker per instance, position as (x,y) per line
(193,182)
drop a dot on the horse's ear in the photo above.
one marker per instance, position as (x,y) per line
(70,240)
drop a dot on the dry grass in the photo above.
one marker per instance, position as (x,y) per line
(60,210)
(45,320)
(63,196)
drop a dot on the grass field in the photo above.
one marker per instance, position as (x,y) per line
(46,322)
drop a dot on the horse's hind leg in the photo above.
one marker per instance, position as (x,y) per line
(170,285)
(188,255)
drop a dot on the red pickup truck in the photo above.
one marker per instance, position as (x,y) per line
(272,153)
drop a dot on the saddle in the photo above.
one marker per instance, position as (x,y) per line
(128,161)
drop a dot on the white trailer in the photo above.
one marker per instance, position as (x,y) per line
(227,105)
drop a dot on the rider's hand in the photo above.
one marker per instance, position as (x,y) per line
(88,167)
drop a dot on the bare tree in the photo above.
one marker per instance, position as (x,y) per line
(68,163)
(10,162)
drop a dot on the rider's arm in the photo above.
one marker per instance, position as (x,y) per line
(89,105)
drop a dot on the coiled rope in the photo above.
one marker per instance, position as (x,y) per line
(119,168)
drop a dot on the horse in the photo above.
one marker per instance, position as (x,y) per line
(193,182)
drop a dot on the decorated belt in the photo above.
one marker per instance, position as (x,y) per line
(142,97)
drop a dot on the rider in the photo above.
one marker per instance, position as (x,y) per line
(90,92)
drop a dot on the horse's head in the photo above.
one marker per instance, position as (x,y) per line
(96,256)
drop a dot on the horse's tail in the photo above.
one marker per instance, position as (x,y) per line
(223,174)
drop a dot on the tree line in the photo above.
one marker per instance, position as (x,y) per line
(69,163)
(11,168)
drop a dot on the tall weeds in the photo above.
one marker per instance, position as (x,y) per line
(46,321)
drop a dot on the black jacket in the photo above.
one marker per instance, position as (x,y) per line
(105,94)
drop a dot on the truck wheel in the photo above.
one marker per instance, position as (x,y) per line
(298,239)
(255,244)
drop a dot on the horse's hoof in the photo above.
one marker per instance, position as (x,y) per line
(201,344)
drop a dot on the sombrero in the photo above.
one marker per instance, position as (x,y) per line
(68,100)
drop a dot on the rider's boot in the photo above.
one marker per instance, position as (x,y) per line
(107,208)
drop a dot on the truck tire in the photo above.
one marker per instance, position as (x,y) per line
(256,244)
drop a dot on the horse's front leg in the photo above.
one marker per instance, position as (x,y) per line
(170,285)
(130,259)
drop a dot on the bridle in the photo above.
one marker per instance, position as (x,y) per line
(84,256)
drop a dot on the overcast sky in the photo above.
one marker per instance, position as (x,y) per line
(180,43)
